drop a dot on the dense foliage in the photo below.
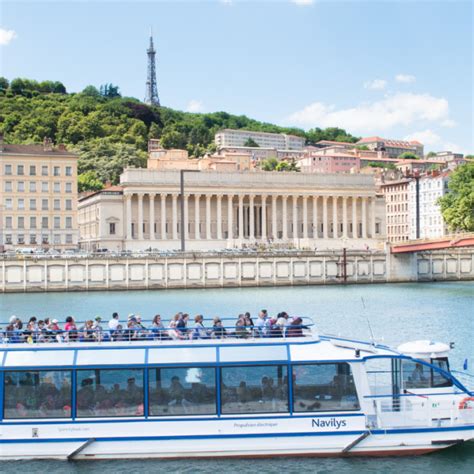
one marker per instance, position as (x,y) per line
(273,164)
(457,206)
(109,131)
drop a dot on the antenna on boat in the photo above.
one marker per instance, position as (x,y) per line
(368,322)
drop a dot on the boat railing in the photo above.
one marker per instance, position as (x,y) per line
(146,332)
(420,410)
(465,378)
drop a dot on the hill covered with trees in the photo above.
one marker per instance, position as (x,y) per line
(109,131)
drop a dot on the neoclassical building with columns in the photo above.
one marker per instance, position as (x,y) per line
(233,209)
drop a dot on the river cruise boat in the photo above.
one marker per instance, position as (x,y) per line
(301,395)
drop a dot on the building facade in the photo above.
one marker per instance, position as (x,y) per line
(431,188)
(333,159)
(397,210)
(226,210)
(281,141)
(38,204)
(393,148)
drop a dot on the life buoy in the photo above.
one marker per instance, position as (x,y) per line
(466,403)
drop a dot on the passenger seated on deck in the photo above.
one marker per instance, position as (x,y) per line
(158,329)
(295,329)
(218,330)
(173,333)
(176,394)
(240,329)
(87,331)
(71,329)
(243,395)
(199,332)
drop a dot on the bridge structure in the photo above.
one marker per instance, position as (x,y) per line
(443,243)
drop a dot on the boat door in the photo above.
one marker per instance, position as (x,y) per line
(396,383)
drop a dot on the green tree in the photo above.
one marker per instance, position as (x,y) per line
(408,155)
(91,91)
(4,84)
(431,154)
(362,147)
(109,91)
(269,164)
(457,206)
(88,181)
(173,139)
(469,157)
(251,142)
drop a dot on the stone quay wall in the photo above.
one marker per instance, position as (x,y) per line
(201,270)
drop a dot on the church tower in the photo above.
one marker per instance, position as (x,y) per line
(151,96)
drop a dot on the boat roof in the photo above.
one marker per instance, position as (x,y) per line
(323,348)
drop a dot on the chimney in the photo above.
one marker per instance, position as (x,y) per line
(47,144)
(62,147)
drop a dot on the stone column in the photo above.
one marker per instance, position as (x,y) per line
(186,217)
(325,217)
(151,197)
(128,230)
(364,217)
(274,218)
(208,216)
(219,216)
(284,223)
(334,218)
(163,216)
(241,217)
(295,217)
(230,212)
(355,231)
(264,217)
(344,217)
(305,217)
(372,217)
(315,217)
(140,216)
(197,216)
(174,232)
(252,217)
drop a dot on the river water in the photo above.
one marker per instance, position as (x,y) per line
(393,313)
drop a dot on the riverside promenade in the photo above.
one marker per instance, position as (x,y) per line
(207,270)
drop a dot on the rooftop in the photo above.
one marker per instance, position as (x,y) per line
(8,149)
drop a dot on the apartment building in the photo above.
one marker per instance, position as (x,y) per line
(393,148)
(238,138)
(397,210)
(38,196)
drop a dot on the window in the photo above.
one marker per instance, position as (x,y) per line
(8,187)
(21,239)
(57,222)
(44,187)
(68,170)
(8,170)
(44,170)
(56,171)
(68,222)
(44,239)
(32,222)
(9,204)
(32,204)
(44,204)
(112,228)
(68,205)
(32,186)
(20,186)
(323,387)
(44,222)
(254,389)
(69,187)
(21,222)
(57,204)
(33,239)
(32,170)
(8,222)
(21,204)
(20,170)
(8,239)
(109,392)
(69,238)
(182,391)
(57,239)
(37,394)
(416,375)
(57,187)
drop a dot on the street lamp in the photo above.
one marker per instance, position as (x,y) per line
(181,185)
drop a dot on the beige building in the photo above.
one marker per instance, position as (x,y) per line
(237,137)
(38,189)
(233,209)
(397,210)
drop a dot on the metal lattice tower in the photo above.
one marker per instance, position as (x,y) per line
(151,96)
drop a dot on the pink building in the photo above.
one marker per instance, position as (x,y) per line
(317,162)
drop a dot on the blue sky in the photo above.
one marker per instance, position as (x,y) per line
(399,69)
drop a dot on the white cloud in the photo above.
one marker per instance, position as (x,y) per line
(448,123)
(302,3)
(405,78)
(194,106)
(433,141)
(6,36)
(376,84)
(392,110)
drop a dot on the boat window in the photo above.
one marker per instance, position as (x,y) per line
(254,389)
(323,387)
(37,394)
(438,379)
(109,392)
(182,391)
